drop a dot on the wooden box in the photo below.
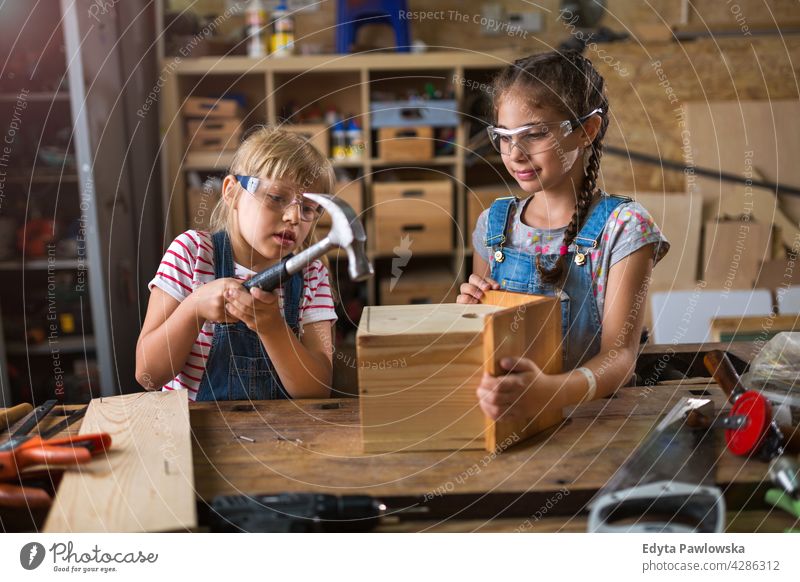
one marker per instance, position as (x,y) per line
(213,134)
(418,287)
(316,133)
(413,216)
(398,144)
(208,107)
(420,366)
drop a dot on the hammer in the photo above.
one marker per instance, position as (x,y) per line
(346,232)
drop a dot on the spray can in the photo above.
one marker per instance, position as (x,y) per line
(282,42)
(256,18)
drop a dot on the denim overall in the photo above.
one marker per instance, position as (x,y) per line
(238,367)
(516,271)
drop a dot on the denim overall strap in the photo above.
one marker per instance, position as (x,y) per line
(238,366)
(589,235)
(498,221)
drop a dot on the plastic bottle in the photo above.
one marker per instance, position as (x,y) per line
(339,139)
(256,18)
(355,140)
(282,42)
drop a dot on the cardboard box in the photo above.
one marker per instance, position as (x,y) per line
(213,134)
(416,217)
(401,144)
(420,365)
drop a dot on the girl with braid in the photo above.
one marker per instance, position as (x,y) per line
(568,239)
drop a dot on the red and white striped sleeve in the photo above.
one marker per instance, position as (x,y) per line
(185,263)
(317,302)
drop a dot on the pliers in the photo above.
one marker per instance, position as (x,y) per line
(24,450)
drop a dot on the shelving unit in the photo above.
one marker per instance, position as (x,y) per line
(275,87)
(68,254)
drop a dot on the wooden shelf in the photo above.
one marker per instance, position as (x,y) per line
(40,264)
(222,161)
(64,345)
(42,96)
(343,82)
(43,175)
(436,161)
(310,64)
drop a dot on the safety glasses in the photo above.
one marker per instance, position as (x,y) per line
(279,202)
(534,138)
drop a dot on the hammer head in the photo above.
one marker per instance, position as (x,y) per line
(346,232)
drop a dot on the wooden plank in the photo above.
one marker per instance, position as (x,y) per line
(146,481)
(529,327)
(679,216)
(749,138)
(733,251)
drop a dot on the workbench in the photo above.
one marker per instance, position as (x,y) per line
(314,445)
(539,485)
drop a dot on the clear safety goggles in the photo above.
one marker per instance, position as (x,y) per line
(534,138)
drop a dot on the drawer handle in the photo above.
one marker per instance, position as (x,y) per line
(413,227)
(411,113)
(213,126)
(413,193)
(406,133)
(420,301)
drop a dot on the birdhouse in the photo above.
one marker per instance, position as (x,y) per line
(419,367)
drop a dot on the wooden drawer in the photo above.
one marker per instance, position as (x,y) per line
(415,216)
(316,133)
(405,143)
(207,139)
(419,287)
(208,107)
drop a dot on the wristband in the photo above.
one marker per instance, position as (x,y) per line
(592,384)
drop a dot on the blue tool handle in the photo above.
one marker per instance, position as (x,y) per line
(269,279)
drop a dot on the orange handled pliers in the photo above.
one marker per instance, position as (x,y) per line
(24,450)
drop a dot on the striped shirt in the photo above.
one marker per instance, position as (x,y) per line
(189,263)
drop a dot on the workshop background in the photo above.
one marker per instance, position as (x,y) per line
(108,152)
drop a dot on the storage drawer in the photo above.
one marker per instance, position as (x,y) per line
(405,143)
(205,140)
(349,192)
(439,113)
(419,287)
(414,216)
(208,107)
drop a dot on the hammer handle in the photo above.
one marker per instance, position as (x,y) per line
(9,416)
(269,279)
(721,368)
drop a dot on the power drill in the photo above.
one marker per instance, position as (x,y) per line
(295,512)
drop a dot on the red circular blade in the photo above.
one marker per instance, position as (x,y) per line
(747,439)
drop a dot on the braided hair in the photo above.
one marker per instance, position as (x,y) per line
(568,83)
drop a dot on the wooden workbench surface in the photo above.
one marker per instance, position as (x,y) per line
(314,445)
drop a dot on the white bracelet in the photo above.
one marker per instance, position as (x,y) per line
(592,384)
